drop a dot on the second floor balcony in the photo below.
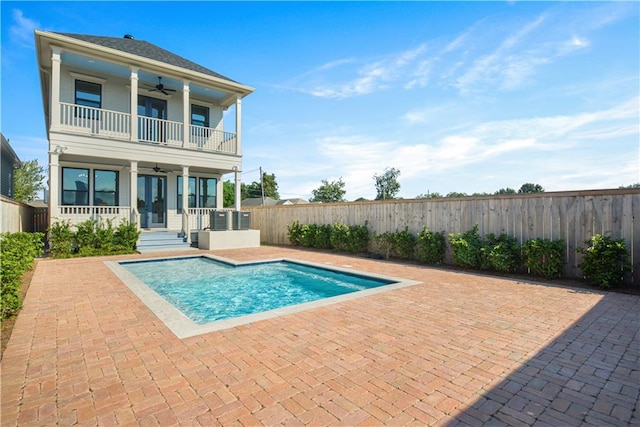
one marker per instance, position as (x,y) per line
(105,123)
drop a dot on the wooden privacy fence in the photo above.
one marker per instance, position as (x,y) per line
(569,216)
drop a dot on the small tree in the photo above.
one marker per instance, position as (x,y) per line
(387,185)
(329,192)
(530,188)
(255,188)
(28,181)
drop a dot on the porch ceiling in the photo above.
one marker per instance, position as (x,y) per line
(146,77)
(145,167)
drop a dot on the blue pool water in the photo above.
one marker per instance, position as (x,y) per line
(206,290)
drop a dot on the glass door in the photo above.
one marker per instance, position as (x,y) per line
(153,128)
(152,196)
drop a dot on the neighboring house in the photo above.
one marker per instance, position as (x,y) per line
(294,201)
(257,201)
(9,162)
(135,132)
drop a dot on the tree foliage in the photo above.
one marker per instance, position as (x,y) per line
(329,192)
(228,193)
(254,189)
(387,185)
(507,190)
(530,188)
(28,180)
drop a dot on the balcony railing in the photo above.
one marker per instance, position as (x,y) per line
(79,118)
(114,124)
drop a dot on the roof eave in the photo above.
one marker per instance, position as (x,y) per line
(108,53)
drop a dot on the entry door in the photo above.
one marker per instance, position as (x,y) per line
(152,130)
(152,196)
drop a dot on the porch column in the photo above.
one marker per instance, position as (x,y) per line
(54,185)
(55,89)
(133,191)
(185,204)
(238,126)
(134,104)
(238,179)
(186,107)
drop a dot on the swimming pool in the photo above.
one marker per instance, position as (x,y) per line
(197,294)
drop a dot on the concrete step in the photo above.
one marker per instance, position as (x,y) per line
(156,241)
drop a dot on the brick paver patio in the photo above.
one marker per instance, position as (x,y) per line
(458,349)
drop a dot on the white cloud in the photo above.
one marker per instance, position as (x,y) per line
(408,68)
(22,30)
(357,157)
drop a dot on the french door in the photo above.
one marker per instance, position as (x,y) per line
(152,116)
(152,201)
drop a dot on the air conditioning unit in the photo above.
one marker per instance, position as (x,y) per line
(218,220)
(241,220)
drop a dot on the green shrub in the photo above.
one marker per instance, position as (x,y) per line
(358,238)
(404,244)
(467,248)
(323,236)
(61,240)
(605,261)
(126,235)
(502,253)
(544,257)
(295,233)
(340,237)
(430,247)
(382,244)
(17,254)
(86,234)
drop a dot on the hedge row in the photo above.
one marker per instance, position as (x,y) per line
(17,254)
(605,260)
(91,238)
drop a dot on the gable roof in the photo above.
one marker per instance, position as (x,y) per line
(145,50)
(257,201)
(294,201)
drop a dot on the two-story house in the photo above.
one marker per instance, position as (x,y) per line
(136,132)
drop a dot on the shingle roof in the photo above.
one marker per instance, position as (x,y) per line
(146,50)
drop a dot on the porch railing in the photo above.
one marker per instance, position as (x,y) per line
(115,124)
(200,218)
(77,214)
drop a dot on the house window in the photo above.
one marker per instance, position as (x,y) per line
(75,186)
(207,192)
(199,115)
(192,193)
(105,188)
(88,94)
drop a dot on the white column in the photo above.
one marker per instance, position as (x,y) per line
(134,104)
(133,191)
(54,111)
(186,108)
(54,186)
(238,183)
(185,203)
(239,126)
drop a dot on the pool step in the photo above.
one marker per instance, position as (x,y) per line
(156,241)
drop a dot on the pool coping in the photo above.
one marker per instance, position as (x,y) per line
(183,327)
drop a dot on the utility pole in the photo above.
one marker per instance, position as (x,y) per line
(262,185)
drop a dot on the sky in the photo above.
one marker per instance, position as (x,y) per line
(467,97)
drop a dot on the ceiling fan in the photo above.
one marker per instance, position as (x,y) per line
(160,87)
(156,169)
